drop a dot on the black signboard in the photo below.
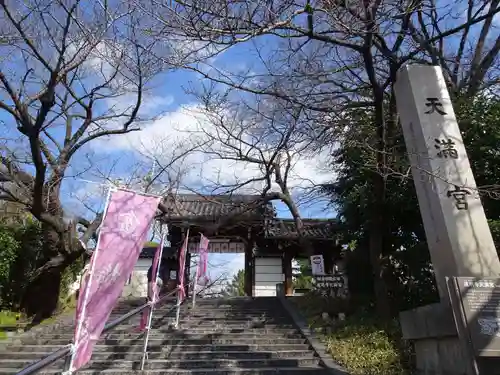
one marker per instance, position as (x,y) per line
(329,285)
(480,304)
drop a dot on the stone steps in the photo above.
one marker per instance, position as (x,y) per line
(215,332)
(312,370)
(195,329)
(164,364)
(179,354)
(211,323)
(236,340)
(169,348)
(220,337)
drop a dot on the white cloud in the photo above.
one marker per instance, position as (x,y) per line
(185,50)
(186,127)
(225,264)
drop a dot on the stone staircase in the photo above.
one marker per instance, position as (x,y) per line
(236,336)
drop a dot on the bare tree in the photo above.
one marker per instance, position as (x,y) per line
(258,144)
(71,72)
(335,56)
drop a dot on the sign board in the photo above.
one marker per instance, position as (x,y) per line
(317,265)
(219,247)
(480,310)
(329,285)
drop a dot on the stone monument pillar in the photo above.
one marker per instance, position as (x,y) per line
(458,236)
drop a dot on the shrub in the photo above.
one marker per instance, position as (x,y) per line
(362,344)
(313,306)
(21,253)
(19,259)
(68,277)
(366,347)
(8,319)
(9,247)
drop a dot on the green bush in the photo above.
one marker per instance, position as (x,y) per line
(361,343)
(68,277)
(9,248)
(20,255)
(313,306)
(10,319)
(365,347)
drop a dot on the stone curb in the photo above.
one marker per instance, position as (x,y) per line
(312,338)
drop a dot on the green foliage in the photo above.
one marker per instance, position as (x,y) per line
(480,125)
(406,265)
(28,258)
(237,285)
(8,319)
(362,343)
(68,277)
(9,248)
(405,261)
(365,347)
(313,306)
(303,280)
(21,255)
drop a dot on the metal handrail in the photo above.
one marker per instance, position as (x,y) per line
(65,350)
(44,362)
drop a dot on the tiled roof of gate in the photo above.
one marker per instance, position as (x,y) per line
(321,229)
(193,206)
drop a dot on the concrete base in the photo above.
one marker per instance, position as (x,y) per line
(438,349)
(440,356)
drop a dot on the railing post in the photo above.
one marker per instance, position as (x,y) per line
(146,337)
(178,312)
(67,363)
(195,284)
(155,297)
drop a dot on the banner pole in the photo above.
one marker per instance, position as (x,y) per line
(181,277)
(87,287)
(203,245)
(152,306)
(178,312)
(195,283)
(146,337)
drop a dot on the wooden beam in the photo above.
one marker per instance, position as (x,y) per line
(248,269)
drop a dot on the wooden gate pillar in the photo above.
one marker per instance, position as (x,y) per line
(328,259)
(249,269)
(187,274)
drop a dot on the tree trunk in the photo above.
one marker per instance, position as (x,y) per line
(41,296)
(376,243)
(294,211)
(377,220)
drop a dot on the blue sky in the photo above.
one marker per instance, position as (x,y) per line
(169,103)
(166,100)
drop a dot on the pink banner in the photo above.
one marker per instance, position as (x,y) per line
(123,232)
(154,276)
(182,267)
(203,261)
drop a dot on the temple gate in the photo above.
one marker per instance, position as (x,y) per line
(242,224)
